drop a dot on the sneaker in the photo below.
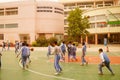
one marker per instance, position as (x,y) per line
(81,64)
(26,66)
(113,74)
(86,63)
(100,73)
(56,73)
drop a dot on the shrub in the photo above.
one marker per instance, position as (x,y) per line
(52,39)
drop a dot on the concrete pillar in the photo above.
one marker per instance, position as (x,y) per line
(32,37)
(108,35)
(96,39)
(86,39)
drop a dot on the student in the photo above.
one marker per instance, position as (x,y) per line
(69,50)
(57,53)
(63,49)
(3,46)
(16,46)
(0,59)
(74,52)
(28,51)
(8,44)
(83,54)
(24,54)
(49,50)
(104,62)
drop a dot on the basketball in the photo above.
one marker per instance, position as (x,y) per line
(32,49)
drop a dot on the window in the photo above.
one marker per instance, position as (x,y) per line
(1,36)
(108,3)
(92,18)
(100,17)
(1,26)
(44,7)
(101,24)
(44,10)
(65,22)
(11,11)
(58,12)
(15,25)
(1,11)
(58,9)
(92,25)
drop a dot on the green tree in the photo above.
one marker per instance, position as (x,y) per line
(77,25)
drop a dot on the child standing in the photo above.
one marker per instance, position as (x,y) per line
(0,59)
(74,52)
(57,53)
(49,50)
(104,62)
(69,47)
(83,54)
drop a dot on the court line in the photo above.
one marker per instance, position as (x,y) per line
(46,75)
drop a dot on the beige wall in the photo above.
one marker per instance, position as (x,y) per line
(30,21)
(50,22)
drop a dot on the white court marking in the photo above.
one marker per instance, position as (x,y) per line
(46,75)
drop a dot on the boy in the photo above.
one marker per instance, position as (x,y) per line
(83,54)
(24,54)
(74,52)
(69,50)
(104,62)
(49,50)
(0,59)
(57,52)
(63,49)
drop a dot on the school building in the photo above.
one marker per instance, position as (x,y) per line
(27,20)
(103,15)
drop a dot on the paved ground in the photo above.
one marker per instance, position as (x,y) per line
(42,69)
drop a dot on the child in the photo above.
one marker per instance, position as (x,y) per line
(24,54)
(0,59)
(69,50)
(57,52)
(83,54)
(74,52)
(49,50)
(63,49)
(104,62)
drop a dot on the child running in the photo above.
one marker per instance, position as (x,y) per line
(57,53)
(24,54)
(104,62)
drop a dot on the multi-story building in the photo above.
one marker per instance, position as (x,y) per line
(104,18)
(28,19)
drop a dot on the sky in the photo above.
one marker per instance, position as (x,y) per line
(20,0)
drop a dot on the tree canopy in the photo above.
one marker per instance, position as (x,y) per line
(77,24)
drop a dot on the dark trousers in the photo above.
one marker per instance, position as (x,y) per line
(107,64)
(0,61)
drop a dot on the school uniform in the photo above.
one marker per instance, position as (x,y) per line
(83,54)
(49,51)
(69,51)
(0,59)
(57,59)
(104,61)
(24,55)
(74,52)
